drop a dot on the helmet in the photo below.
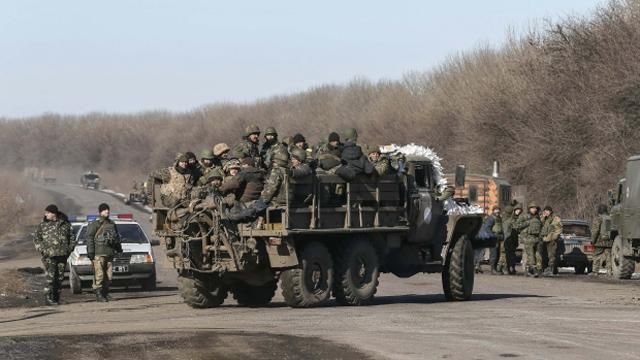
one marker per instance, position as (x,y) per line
(350,134)
(299,154)
(287,140)
(219,149)
(298,138)
(190,155)
(181,157)
(372,149)
(517,206)
(271,131)
(281,158)
(532,204)
(251,129)
(232,164)
(206,154)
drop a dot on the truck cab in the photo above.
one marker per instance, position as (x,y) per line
(624,223)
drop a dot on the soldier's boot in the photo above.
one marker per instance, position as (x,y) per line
(99,297)
(537,272)
(56,296)
(105,293)
(547,272)
(49,299)
(494,270)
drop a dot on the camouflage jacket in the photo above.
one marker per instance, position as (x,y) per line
(205,175)
(529,227)
(551,228)
(54,238)
(103,238)
(176,185)
(599,234)
(382,166)
(273,191)
(271,151)
(326,148)
(245,149)
(507,227)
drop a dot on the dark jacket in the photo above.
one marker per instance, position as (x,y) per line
(103,238)
(54,238)
(355,162)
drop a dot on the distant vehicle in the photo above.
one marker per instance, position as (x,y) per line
(623,225)
(136,265)
(49,180)
(137,196)
(485,191)
(574,246)
(90,180)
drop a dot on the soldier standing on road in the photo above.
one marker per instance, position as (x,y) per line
(54,241)
(103,242)
(496,229)
(486,234)
(507,260)
(250,145)
(529,227)
(601,240)
(551,230)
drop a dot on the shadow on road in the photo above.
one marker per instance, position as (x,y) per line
(438,298)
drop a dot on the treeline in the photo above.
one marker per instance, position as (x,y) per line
(558,106)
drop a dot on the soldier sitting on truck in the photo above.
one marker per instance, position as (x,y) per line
(176,181)
(380,163)
(355,162)
(247,184)
(273,192)
(221,153)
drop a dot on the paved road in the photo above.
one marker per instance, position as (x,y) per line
(570,317)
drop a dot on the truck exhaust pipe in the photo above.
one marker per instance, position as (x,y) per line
(496,169)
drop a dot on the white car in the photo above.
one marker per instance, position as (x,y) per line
(135,265)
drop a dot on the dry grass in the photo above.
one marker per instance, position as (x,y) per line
(559,106)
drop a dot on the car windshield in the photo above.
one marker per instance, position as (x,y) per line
(75,229)
(129,234)
(576,230)
(91,177)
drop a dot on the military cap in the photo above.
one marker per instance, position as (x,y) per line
(372,149)
(532,204)
(298,138)
(190,155)
(548,208)
(333,137)
(181,157)
(299,154)
(52,209)
(251,129)
(206,154)
(220,148)
(517,206)
(270,131)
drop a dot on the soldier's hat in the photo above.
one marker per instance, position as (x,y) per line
(206,154)
(220,149)
(372,149)
(181,157)
(517,206)
(232,164)
(52,209)
(251,129)
(532,204)
(270,131)
(299,154)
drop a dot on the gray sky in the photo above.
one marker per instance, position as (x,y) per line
(132,55)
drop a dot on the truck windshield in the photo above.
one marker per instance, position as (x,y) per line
(576,230)
(91,177)
(129,234)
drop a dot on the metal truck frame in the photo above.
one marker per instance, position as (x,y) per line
(332,238)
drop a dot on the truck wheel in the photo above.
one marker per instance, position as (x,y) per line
(75,284)
(248,295)
(149,283)
(201,293)
(579,269)
(357,272)
(458,274)
(310,285)
(621,266)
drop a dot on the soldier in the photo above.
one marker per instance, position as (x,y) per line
(506,263)
(194,166)
(497,231)
(486,233)
(273,192)
(103,243)
(529,227)
(206,165)
(176,181)
(247,184)
(380,163)
(250,146)
(356,162)
(301,143)
(332,146)
(551,230)
(601,240)
(298,166)
(350,134)
(221,153)
(270,139)
(54,241)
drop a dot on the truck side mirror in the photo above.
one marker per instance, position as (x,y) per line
(461,173)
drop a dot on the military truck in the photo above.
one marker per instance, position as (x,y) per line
(623,224)
(90,180)
(331,238)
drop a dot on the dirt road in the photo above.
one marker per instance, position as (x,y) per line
(568,317)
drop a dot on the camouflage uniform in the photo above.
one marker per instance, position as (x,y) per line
(494,252)
(54,241)
(103,242)
(529,227)
(176,184)
(601,240)
(247,148)
(551,230)
(510,243)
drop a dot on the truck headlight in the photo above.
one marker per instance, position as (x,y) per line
(82,260)
(141,259)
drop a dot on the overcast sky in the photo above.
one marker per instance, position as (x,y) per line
(132,55)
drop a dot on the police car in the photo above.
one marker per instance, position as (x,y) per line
(135,265)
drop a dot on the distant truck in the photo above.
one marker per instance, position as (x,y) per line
(322,242)
(90,180)
(623,224)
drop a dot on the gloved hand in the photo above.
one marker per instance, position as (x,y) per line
(91,256)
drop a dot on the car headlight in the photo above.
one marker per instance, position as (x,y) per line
(82,260)
(141,259)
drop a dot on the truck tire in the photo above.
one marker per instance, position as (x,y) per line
(357,273)
(310,284)
(621,266)
(149,283)
(75,284)
(253,296)
(458,272)
(201,293)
